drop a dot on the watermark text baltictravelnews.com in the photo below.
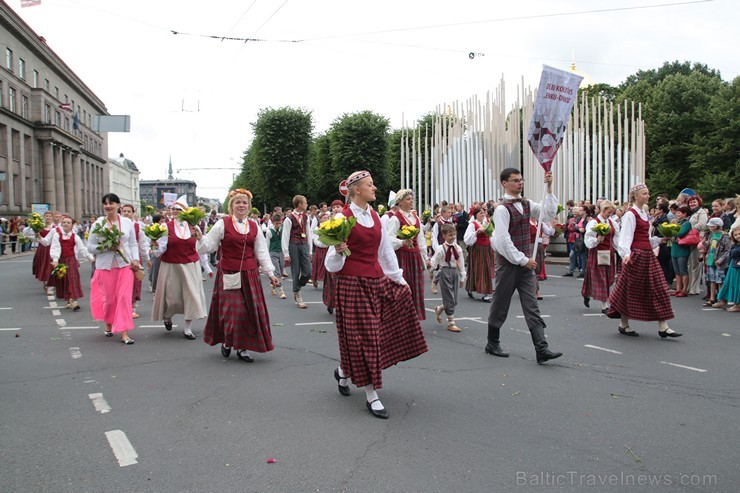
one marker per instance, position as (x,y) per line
(576,478)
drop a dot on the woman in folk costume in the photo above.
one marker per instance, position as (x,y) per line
(113,281)
(412,257)
(238,316)
(319,252)
(600,274)
(641,292)
(179,282)
(377,326)
(128,211)
(66,246)
(41,260)
(481,264)
(330,281)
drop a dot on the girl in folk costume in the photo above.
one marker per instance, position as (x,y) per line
(641,292)
(238,316)
(66,246)
(128,211)
(411,254)
(538,244)
(600,265)
(41,260)
(319,253)
(481,268)
(179,283)
(273,235)
(330,281)
(377,326)
(113,281)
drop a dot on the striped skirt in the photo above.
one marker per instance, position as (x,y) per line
(68,287)
(42,263)
(375,327)
(238,317)
(599,278)
(641,292)
(317,263)
(329,289)
(413,273)
(481,270)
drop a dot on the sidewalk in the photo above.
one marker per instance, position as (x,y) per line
(13,256)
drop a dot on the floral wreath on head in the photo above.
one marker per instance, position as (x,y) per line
(240,191)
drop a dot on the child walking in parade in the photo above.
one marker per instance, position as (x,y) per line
(450,261)
(730,292)
(65,248)
(297,248)
(274,246)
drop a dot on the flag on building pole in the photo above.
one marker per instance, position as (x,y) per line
(556,95)
(65,107)
(30,3)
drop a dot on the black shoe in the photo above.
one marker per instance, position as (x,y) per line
(225,351)
(108,334)
(604,311)
(382,414)
(470,295)
(546,355)
(127,341)
(665,334)
(168,325)
(343,389)
(189,336)
(486,299)
(242,355)
(630,333)
(586,301)
(330,310)
(568,274)
(581,274)
(495,350)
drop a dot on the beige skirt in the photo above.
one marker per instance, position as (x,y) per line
(179,290)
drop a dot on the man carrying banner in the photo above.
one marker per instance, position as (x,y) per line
(514,267)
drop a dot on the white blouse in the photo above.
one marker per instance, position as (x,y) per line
(591,239)
(108,260)
(80,250)
(394,224)
(209,243)
(627,232)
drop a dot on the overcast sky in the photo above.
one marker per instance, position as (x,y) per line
(399,57)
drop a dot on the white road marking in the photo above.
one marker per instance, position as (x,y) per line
(56,313)
(556,277)
(154,326)
(90,381)
(547,296)
(316,323)
(725,334)
(602,349)
(684,366)
(593,315)
(432,299)
(543,316)
(50,298)
(313,302)
(61,322)
(53,304)
(712,309)
(10,329)
(75,353)
(90,327)
(122,448)
(101,405)
(6,308)
(472,319)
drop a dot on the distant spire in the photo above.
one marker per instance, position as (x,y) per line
(169,171)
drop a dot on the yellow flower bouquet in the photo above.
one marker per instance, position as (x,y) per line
(336,231)
(407,232)
(488,229)
(36,222)
(155,231)
(669,230)
(192,216)
(601,229)
(60,271)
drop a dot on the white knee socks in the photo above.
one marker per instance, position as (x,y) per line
(372,398)
(188,327)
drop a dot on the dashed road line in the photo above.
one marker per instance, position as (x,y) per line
(56,313)
(99,402)
(50,298)
(155,326)
(6,308)
(89,327)
(61,322)
(75,353)
(316,323)
(602,349)
(10,329)
(543,316)
(122,448)
(593,314)
(700,370)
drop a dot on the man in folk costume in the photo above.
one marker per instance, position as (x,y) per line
(377,326)
(601,263)
(514,267)
(128,211)
(297,248)
(179,283)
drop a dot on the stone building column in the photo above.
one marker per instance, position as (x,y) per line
(59,179)
(79,186)
(69,183)
(48,184)
(9,169)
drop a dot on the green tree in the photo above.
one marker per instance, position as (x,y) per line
(321,185)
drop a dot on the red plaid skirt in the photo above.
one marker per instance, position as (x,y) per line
(328,290)
(318,270)
(376,327)
(481,270)
(42,263)
(238,317)
(68,287)
(413,273)
(641,292)
(136,296)
(598,277)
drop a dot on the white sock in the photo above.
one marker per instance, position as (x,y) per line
(244,352)
(188,328)
(372,398)
(663,326)
(604,305)
(342,377)
(624,323)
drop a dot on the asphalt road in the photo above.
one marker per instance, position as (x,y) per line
(613,414)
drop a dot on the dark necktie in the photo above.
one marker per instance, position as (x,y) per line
(451,250)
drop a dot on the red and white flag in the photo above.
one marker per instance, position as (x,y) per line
(65,107)
(556,95)
(30,3)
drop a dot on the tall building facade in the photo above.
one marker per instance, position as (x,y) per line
(49,152)
(123,180)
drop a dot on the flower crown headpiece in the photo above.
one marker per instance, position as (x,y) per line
(357,177)
(240,191)
(637,187)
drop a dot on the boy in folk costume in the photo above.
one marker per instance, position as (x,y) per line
(376,325)
(179,283)
(445,217)
(297,248)
(128,211)
(514,267)
(450,261)
(274,238)
(66,246)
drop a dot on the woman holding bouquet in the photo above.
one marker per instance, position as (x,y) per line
(600,238)
(411,252)
(41,259)
(66,246)
(641,292)
(179,282)
(481,268)
(375,326)
(238,316)
(113,281)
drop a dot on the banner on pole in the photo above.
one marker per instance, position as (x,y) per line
(556,95)
(168,198)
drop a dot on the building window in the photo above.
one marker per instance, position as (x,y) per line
(24,107)
(22,68)
(56,92)
(11,99)
(35,78)
(2,103)
(58,120)
(46,84)
(47,114)
(9,59)
(66,99)
(66,124)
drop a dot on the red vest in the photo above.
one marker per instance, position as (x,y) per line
(519,227)
(481,240)
(363,243)
(44,232)
(402,220)
(234,243)
(298,233)
(607,243)
(440,223)
(641,238)
(68,245)
(179,251)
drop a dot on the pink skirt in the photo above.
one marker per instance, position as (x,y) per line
(110,297)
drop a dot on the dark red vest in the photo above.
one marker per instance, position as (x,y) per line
(519,227)
(234,243)
(44,232)
(402,220)
(607,243)
(363,243)
(440,223)
(68,246)
(641,238)
(298,233)
(481,240)
(179,251)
